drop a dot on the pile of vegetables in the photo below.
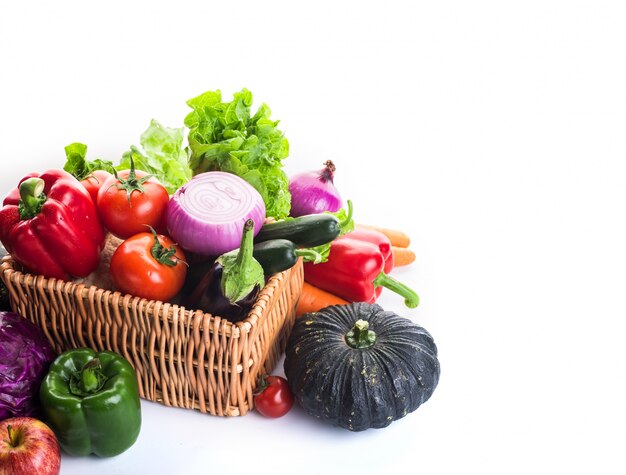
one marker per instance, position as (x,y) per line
(202,216)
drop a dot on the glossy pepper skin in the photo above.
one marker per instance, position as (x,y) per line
(50,225)
(355,271)
(91,401)
(380,240)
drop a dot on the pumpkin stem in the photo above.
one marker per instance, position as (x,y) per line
(361,336)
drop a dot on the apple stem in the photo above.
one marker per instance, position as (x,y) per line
(12,438)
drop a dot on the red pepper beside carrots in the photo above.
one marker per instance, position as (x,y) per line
(381,241)
(355,271)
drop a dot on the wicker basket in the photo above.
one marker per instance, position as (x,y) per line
(182,358)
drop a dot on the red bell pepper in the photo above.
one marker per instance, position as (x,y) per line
(50,225)
(380,240)
(355,271)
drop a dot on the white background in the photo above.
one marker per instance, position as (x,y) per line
(491,132)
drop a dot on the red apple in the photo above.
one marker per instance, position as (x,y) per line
(28,446)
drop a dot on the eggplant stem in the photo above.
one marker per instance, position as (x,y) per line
(246,247)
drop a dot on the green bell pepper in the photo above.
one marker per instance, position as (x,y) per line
(91,401)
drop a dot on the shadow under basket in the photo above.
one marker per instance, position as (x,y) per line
(182,358)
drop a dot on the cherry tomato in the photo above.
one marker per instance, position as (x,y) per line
(94,181)
(130,202)
(149,265)
(274,398)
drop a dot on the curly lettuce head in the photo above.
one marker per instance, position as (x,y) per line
(225,136)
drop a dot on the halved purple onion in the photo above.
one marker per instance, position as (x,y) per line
(207,214)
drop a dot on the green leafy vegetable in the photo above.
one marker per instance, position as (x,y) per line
(225,136)
(78,165)
(163,156)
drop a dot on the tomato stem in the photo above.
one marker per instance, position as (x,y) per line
(162,254)
(131,183)
(262,385)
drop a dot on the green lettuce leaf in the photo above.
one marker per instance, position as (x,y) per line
(78,165)
(225,136)
(163,156)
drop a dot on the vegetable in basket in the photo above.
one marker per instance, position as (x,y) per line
(225,136)
(132,200)
(311,230)
(163,156)
(149,265)
(231,285)
(278,255)
(50,225)
(92,174)
(207,215)
(91,401)
(25,355)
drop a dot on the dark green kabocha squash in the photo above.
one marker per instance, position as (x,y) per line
(358,366)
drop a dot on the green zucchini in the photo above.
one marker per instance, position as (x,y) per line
(305,231)
(278,255)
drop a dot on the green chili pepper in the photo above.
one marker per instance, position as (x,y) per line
(91,401)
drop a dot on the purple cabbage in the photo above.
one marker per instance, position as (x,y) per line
(25,355)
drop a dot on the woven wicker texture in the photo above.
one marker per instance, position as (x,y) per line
(182,358)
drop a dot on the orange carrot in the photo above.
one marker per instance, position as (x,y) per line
(402,256)
(314,299)
(397,238)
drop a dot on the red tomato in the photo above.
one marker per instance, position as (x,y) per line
(94,182)
(275,398)
(140,268)
(125,216)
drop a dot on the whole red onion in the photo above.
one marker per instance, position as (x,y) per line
(314,191)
